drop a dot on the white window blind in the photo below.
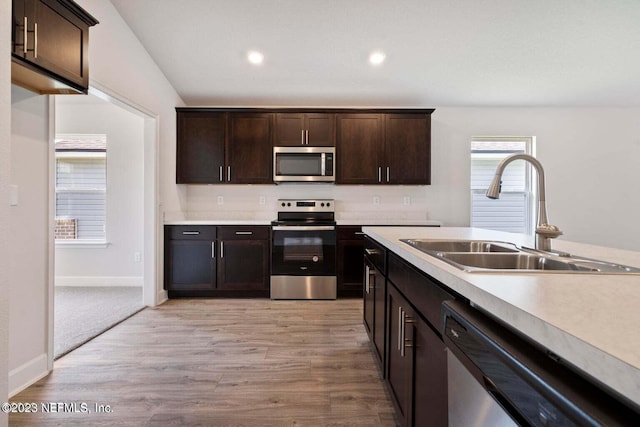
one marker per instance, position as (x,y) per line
(81,183)
(512,211)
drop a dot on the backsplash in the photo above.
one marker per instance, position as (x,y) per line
(247,202)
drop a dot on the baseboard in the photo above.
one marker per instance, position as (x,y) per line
(27,374)
(99,281)
(163,296)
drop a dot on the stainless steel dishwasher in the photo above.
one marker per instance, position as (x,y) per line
(498,378)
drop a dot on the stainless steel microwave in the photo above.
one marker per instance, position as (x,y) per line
(303,164)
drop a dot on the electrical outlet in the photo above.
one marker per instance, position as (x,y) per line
(263,200)
(220,200)
(406,200)
(137,257)
(376,200)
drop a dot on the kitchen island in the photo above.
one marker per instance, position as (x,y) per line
(589,320)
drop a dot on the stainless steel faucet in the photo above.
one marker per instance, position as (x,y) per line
(544,231)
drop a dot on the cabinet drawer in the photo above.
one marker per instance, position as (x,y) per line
(251,232)
(425,294)
(376,253)
(192,232)
(348,232)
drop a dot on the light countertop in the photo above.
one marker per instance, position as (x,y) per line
(590,320)
(376,221)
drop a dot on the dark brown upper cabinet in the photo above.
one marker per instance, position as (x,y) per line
(50,46)
(299,129)
(200,147)
(249,151)
(359,148)
(217,147)
(392,148)
(407,149)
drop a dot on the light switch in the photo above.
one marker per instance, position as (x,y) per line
(13,195)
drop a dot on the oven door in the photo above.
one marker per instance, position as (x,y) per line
(303,251)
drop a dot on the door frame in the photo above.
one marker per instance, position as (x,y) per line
(152,223)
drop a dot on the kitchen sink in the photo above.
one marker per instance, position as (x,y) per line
(488,256)
(428,245)
(509,261)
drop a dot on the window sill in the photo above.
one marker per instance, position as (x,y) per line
(82,244)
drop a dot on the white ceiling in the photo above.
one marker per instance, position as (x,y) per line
(438,52)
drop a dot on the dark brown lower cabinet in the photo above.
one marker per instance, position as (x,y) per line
(417,365)
(243,265)
(400,319)
(430,377)
(217,261)
(350,250)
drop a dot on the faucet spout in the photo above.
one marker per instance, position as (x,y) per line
(544,231)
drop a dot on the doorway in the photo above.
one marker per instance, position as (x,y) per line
(102,249)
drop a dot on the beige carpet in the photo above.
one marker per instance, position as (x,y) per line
(82,313)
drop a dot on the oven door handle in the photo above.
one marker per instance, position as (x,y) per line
(304,228)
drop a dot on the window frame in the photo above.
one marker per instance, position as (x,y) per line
(81,154)
(530,191)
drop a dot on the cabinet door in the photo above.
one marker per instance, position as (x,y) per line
(379,315)
(400,355)
(430,377)
(249,151)
(243,265)
(320,129)
(192,265)
(290,129)
(359,150)
(407,149)
(200,147)
(60,43)
(349,263)
(368,297)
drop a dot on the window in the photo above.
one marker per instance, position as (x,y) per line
(81,187)
(513,211)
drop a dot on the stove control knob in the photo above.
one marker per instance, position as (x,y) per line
(328,204)
(322,204)
(289,204)
(283,204)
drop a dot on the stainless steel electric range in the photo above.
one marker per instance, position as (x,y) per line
(303,252)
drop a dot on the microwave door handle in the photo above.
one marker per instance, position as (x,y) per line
(323,164)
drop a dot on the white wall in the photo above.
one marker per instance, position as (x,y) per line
(28,237)
(5,154)
(114,264)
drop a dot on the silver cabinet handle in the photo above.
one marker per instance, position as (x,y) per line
(387,173)
(405,319)
(301,136)
(221,249)
(367,277)
(228,173)
(25,35)
(244,233)
(35,42)
(400,337)
(371,251)
(359,233)
(221,177)
(379,173)
(213,250)
(190,233)
(307,136)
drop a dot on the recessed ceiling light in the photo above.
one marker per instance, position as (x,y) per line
(255,57)
(377,57)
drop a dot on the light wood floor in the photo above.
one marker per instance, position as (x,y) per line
(213,362)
